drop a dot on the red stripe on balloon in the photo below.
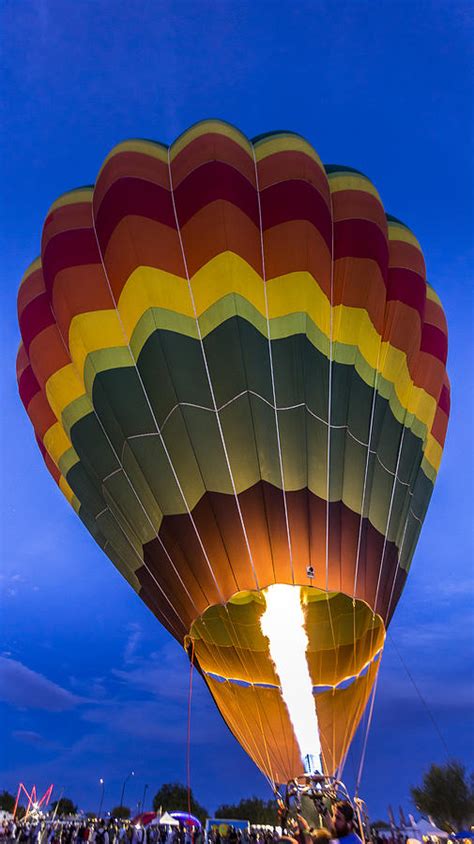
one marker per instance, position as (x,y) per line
(408,287)
(361,239)
(210,182)
(132,197)
(434,342)
(35,318)
(295,200)
(74,248)
(28,386)
(445,399)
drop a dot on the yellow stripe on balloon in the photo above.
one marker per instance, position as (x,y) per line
(56,442)
(149,148)
(92,331)
(353,327)
(398,231)
(149,287)
(433,296)
(293,293)
(299,293)
(225,275)
(285,143)
(62,388)
(33,267)
(68,493)
(433,452)
(206,127)
(352,181)
(72,197)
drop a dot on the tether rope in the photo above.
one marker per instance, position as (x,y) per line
(188,743)
(422,699)
(367,731)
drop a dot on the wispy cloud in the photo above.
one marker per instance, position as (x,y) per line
(93,687)
(422,628)
(154,721)
(26,689)
(28,736)
(151,697)
(10,584)
(36,740)
(13,583)
(163,674)
(450,589)
(397,690)
(133,641)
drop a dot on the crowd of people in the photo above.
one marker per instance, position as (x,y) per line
(340,826)
(87,831)
(254,835)
(114,831)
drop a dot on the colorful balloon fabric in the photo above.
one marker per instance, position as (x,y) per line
(236,373)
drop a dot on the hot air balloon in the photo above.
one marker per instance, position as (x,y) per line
(236,373)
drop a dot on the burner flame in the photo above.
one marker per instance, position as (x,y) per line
(283,623)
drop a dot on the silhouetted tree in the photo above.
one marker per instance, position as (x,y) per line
(173,797)
(7,801)
(250,809)
(65,807)
(120,812)
(446,795)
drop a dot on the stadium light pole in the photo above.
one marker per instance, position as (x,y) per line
(131,774)
(101,797)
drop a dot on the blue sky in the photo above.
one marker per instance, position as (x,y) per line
(91,684)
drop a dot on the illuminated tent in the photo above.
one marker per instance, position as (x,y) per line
(168,820)
(235,370)
(427,828)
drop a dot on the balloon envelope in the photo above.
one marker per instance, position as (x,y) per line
(235,370)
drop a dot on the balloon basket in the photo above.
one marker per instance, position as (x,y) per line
(312,796)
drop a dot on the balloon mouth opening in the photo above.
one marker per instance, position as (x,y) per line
(344,635)
(340,645)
